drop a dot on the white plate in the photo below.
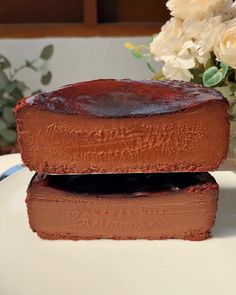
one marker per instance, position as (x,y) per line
(7,161)
(31,266)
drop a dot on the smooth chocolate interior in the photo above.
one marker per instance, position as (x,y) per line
(137,206)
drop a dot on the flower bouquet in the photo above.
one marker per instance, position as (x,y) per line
(198,44)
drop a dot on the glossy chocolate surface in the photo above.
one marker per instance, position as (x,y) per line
(123,98)
(132,184)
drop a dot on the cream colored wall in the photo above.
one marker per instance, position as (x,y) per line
(78,59)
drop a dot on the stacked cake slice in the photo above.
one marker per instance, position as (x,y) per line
(123,159)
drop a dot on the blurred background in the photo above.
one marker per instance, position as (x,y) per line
(47,44)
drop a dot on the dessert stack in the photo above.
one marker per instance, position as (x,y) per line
(122,159)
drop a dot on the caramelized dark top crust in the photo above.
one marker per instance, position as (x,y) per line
(132,184)
(123,98)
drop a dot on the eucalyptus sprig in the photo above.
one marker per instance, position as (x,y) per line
(143,51)
(11,89)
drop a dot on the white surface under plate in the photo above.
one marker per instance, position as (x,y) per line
(31,266)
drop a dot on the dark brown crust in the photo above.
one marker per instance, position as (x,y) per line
(122,98)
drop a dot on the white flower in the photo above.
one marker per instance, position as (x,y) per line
(204,34)
(196,9)
(182,45)
(170,35)
(229,10)
(172,46)
(225,46)
(173,73)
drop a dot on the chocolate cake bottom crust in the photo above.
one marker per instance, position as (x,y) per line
(123,207)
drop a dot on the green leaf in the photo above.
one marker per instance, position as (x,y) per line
(136,53)
(129,45)
(3,80)
(8,115)
(17,94)
(212,77)
(150,67)
(224,69)
(9,135)
(11,85)
(3,125)
(4,62)
(46,79)
(47,52)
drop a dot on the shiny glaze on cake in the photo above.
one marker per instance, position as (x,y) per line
(123,98)
(138,184)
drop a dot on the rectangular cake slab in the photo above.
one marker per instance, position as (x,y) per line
(134,206)
(123,126)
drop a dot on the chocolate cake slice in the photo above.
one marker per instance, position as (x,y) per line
(123,126)
(123,206)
